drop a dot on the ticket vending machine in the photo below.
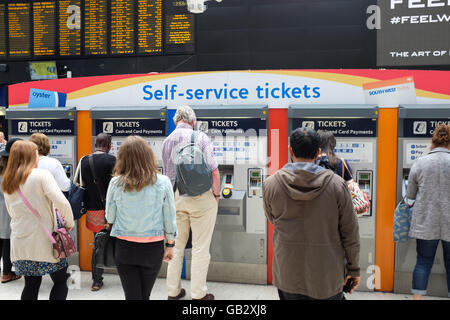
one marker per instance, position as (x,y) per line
(148,122)
(239,243)
(416,125)
(60,126)
(355,128)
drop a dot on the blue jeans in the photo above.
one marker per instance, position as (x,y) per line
(426,251)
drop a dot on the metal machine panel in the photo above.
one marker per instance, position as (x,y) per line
(148,122)
(416,125)
(356,130)
(239,138)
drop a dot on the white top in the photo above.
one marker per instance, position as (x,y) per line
(55,167)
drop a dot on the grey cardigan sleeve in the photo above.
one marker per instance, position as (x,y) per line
(413,183)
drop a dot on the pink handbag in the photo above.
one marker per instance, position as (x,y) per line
(63,245)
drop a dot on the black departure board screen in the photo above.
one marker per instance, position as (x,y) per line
(69,27)
(19,29)
(44,28)
(96,28)
(2,30)
(122,27)
(149,26)
(179,34)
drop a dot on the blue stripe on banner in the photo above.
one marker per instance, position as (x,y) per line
(62,97)
(170,124)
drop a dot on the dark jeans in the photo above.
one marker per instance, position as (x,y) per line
(426,251)
(5,254)
(295,296)
(138,265)
(97,273)
(59,290)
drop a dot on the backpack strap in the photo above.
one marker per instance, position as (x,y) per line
(193,137)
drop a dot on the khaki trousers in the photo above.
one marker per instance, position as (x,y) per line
(198,213)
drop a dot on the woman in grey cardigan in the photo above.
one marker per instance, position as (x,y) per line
(429,185)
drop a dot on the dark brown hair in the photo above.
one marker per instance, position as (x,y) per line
(3,164)
(441,136)
(327,144)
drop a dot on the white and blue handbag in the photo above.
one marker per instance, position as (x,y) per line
(402,221)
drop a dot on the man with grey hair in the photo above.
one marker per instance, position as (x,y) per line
(193,212)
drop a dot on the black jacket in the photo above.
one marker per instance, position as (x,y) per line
(103,166)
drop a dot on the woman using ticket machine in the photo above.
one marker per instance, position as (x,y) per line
(340,166)
(429,186)
(328,158)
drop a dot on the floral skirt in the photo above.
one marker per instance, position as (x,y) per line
(29,268)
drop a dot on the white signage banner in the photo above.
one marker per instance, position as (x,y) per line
(415,151)
(61,148)
(355,151)
(219,88)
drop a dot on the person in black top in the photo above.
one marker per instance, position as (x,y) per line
(96,170)
(328,158)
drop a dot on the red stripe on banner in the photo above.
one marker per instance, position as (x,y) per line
(19,93)
(428,80)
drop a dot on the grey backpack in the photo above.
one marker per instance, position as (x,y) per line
(193,176)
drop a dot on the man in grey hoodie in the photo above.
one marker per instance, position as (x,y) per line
(316,235)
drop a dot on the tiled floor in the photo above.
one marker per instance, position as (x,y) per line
(112,290)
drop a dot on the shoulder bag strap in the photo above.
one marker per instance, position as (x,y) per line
(96,182)
(344,164)
(36,215)
(78,177)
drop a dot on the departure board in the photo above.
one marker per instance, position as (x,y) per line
(44,28)
(96,28)
(179,31)
(149,26)
(81,28)
(122,27)
(2,30)
(19,29)
(69,27)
